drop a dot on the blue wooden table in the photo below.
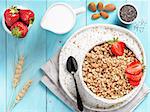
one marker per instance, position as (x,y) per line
(40,45)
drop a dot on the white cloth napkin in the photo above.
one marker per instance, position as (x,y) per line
(50,80)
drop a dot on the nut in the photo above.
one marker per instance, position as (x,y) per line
(100,6)
(92,7)
(95,16)
(104,14)
(110,7)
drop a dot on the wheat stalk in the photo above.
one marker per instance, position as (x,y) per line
(22,93)
(18,71)
(17,76)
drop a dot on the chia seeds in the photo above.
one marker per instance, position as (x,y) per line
(128,13)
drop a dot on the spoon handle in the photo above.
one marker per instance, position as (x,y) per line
(79,101)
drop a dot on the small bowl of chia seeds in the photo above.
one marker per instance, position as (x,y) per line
(127,13)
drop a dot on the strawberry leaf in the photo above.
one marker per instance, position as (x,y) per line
(14,10)
(31,21)
(15,32)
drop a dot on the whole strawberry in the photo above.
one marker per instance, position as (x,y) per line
(11,16)
(19,29)
(27,16)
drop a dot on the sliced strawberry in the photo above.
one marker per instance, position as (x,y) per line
(117,48)
(27,16)
(11,16)
(19,30)
(134,68)
(134,83)
(134,77)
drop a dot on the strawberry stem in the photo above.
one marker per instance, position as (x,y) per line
(15,32)
(31,21)
(14,9)
(114,40)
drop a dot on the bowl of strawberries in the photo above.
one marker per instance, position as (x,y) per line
(17,21)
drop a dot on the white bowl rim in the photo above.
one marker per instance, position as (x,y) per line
(128,23)
(4,24)
(49,8)
(121,99)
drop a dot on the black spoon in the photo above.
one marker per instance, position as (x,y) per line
(72,67)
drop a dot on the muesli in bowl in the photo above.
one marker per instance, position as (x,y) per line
(111,70)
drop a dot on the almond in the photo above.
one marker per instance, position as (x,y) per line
(110,7)
(104,14)
(92,7)
(100,6)
(95,16)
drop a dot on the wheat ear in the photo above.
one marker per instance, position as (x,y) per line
(22,93)
(18,71)
(17,76)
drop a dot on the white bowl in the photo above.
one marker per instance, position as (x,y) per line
(103,102)
(4,24)
(125,21)
(78,45)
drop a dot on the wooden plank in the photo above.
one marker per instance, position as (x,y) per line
(54,42)
(33,47)
(2,60)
